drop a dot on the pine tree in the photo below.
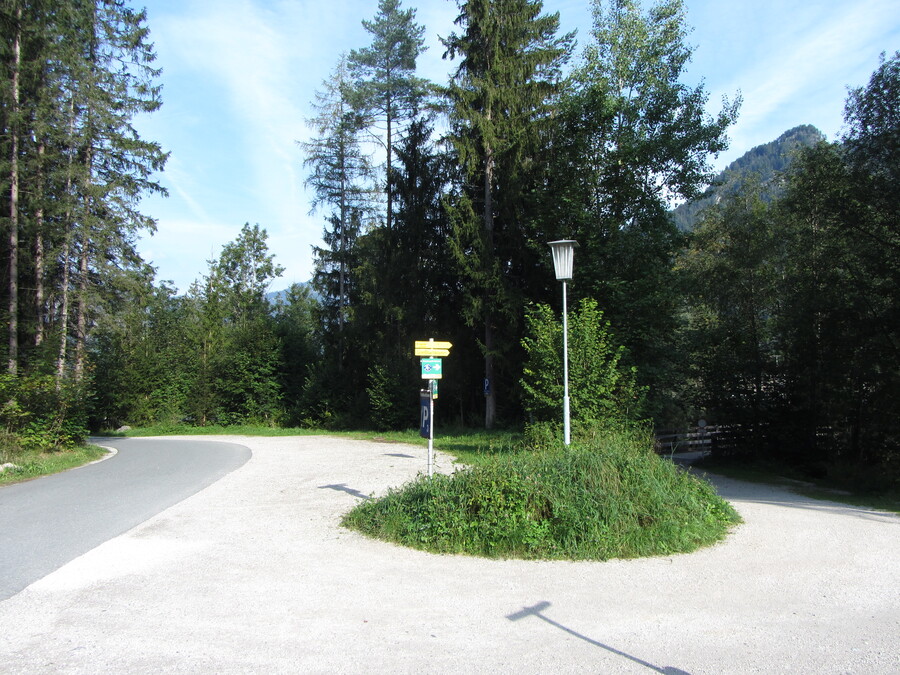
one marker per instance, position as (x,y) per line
(390,94)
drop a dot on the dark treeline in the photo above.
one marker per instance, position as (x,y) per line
(776,315)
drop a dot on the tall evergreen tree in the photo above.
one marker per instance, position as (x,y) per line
(339,175)
(500,97)
(406,295)
(390,93)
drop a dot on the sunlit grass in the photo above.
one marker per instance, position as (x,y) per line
(34,463)
(607,497)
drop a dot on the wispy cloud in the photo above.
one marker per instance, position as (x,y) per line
(798,65)
(239,77)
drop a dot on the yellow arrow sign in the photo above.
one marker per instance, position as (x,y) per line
(434,344)
(432,352)
(432,348)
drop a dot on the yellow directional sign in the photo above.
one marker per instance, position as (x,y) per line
(432,348)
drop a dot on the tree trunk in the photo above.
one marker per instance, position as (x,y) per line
(64,259)
(64,308)
(490,388)
(13,354)
(81,317)
(39,254)
(83,268)
(388,186)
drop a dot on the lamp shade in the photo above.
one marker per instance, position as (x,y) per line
(563,254)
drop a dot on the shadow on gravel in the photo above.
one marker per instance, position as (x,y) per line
(342,487)
(536,611)
(784,496)
(398,454)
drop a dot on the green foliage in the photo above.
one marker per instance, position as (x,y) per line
(794,315)
(37,415)
(501,100)
(390,399)
(631,137)
(732,288)
(30,464)
(235,379)
(339,177)
(389,94)
(611,498)
(601,389)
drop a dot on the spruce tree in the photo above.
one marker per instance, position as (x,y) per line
(500,97)
(339,175)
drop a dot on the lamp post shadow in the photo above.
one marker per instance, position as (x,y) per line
(537,611)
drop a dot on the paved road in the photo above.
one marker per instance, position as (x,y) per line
(254,574)
(46,523)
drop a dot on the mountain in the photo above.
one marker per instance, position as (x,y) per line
(766,161)
(274,297)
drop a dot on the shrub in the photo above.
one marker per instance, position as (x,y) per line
(40,415)
(601,389)
(608,497)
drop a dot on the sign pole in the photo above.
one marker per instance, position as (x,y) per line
(431,352)
(431,427)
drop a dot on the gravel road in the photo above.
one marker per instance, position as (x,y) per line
(254,574)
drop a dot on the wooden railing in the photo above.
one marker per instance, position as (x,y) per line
(695,439)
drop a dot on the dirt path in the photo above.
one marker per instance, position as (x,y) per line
(254,574)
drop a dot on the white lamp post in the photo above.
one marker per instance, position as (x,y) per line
(563,255)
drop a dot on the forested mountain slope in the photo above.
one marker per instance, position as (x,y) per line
(766,161)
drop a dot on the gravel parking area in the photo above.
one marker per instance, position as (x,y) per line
(255,575)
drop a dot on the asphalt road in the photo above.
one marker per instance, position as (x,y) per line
(255,574)
(48,522)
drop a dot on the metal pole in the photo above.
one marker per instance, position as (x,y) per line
(566,427)
(430,426)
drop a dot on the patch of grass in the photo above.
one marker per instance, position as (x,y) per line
(34,463)
(212,430)
(850,488)
(606,497)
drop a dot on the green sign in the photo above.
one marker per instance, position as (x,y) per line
(431,369)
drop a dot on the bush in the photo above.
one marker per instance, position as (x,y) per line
(608,497)
(600,388)
(388,398)
(40,415)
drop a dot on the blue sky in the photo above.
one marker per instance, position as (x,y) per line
(239,75)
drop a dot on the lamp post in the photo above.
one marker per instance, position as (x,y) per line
(563,254)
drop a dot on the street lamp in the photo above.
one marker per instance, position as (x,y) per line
(563,254)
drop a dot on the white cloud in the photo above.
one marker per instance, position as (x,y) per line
(793,62)
(239,77)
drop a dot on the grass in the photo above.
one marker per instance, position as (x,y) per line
(34,463)
(212,430)
(606,497)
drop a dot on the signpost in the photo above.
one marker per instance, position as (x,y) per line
(432,370)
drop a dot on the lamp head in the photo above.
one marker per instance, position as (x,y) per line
(563,255)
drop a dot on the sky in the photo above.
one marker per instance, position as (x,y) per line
(239,77)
